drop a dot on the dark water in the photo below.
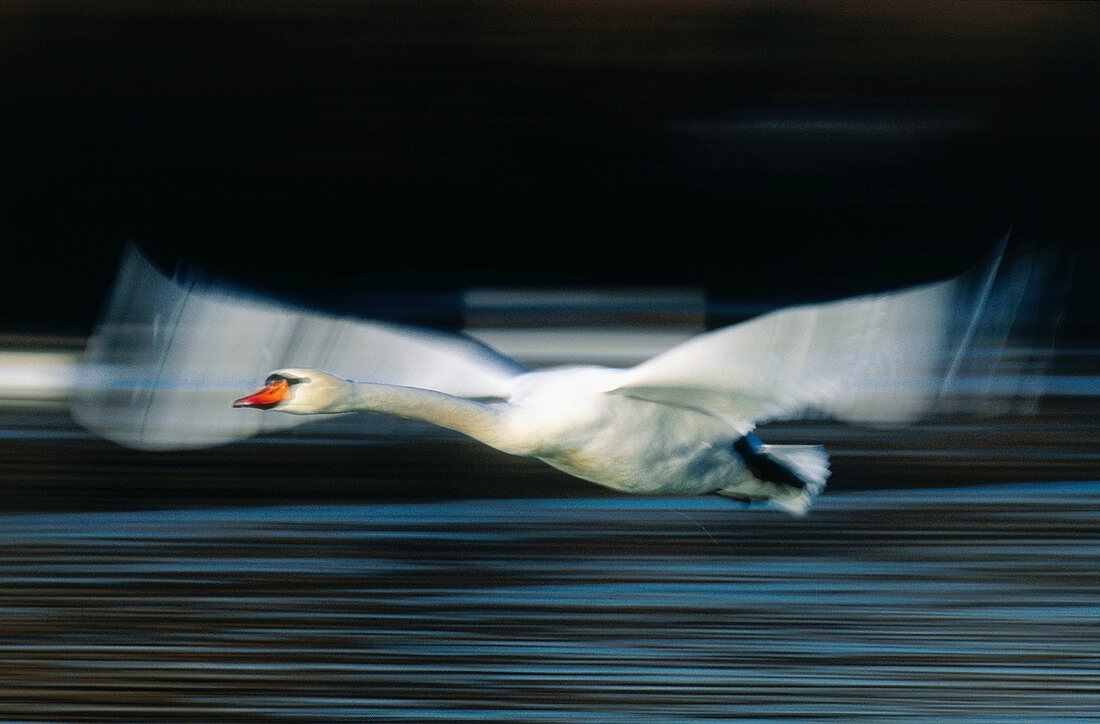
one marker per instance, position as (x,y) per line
(957,604)
(950,573)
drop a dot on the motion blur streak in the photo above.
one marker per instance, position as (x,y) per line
(311,574)
(938,605)
(37,376)
(168,353)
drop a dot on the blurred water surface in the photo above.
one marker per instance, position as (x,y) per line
(351,572)
(958,604)
(282,580)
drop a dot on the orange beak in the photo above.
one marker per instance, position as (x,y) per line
(267,397)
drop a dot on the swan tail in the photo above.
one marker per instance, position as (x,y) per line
(787,477)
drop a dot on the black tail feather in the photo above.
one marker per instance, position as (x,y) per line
(763,466)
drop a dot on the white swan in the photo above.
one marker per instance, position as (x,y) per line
(679,423)
(574,419)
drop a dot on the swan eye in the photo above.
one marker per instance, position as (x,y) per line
(291,381)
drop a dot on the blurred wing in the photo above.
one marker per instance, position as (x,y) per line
(881,358)
(167,359)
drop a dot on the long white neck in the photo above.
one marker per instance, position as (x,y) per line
(480,421)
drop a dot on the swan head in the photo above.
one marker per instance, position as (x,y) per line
(299,392)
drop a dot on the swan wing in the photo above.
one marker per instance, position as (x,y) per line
(168,357)
(881,358)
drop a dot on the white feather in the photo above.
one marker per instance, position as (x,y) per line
(168,355)
(883,358)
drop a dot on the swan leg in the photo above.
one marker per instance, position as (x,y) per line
(764,466)
(741,498)
(787,476)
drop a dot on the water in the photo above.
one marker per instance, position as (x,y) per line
(950,573)
(965,604)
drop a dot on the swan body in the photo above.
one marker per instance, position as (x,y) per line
(567,418)
(163,362)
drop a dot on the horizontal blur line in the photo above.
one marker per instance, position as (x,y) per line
(490,298)
(526,308)
(997,453)
(870,122)
(37,375)
(1072,385)
(44,376)
(610,346)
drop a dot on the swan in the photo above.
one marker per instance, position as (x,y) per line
(571,418)
(159,368)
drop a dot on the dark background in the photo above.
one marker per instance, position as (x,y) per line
(758,150)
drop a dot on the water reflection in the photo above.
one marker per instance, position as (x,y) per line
(968,604)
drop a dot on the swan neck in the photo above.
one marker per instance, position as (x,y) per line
(477,420)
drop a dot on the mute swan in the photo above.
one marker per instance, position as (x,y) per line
(161,364)
(572,418)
